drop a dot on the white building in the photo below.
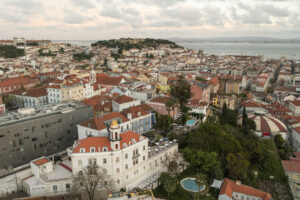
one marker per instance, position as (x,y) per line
(294,106)
(126,158)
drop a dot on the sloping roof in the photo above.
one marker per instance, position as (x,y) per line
(33,92)
(123,99)
(291,166)
(41,161)
(100,142)
(229,186)
(137,111)
(103,79)
(162,100)
(99,123)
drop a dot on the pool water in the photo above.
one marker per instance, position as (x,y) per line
(190,184)
(190,122)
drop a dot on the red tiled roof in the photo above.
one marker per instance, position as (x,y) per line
(98,123)
(123,99)
(291,166)
(100,142)
(229,186)
(162,100)
(296,102)
(14,81)
(33,92)
(143,109)
(41,161)
(103,79)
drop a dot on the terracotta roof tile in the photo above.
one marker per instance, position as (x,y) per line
(41,161)
(99,123)
(229,186)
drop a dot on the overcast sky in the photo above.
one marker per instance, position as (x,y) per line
(105,19)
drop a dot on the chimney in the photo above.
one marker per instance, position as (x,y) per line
(129,116)
(237,182)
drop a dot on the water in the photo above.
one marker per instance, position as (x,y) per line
(190,185)
(268,50)
(190,122)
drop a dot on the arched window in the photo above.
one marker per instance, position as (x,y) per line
(117,146)
(116,135)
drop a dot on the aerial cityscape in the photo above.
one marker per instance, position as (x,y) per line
(149,100)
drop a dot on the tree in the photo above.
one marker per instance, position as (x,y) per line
(237,166)
(206,162)
(245,116)
(91,179)
(168,182)
(180,91)
(201,116)
(163,122)
(170,105)
(61,50)
(200,180)
(105,62)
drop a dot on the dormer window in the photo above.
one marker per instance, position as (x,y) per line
(141,138)
(82,150)
(105,149)
(124,144)
(133,141)
(92,149)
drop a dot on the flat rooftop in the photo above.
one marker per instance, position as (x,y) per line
(25,114)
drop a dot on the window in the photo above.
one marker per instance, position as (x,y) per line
(126,166)
(144,147)
(117,159)
(118,181)
(92,149)
(68,186)
(144,157)
(116,146)
(104,149)
(118,170)
(82,150)
(104,161)
(55,188)
(126,156)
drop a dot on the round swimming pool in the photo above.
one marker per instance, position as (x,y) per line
(190,122)
(190,185)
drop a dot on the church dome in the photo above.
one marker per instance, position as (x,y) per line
(114,124)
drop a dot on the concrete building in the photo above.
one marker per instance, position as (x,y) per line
(33,132)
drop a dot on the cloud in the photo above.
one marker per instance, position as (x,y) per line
(274,11)
(75,18)
(83,3)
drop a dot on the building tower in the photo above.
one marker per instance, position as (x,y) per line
(114,135)
(92,76)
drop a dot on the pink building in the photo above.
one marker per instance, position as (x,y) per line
(200,91)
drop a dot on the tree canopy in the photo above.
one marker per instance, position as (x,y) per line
(9,51)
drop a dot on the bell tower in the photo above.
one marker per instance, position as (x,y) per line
(114,135)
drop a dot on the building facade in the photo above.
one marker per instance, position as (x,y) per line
(31,133)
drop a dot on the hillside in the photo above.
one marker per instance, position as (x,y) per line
(129,43)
